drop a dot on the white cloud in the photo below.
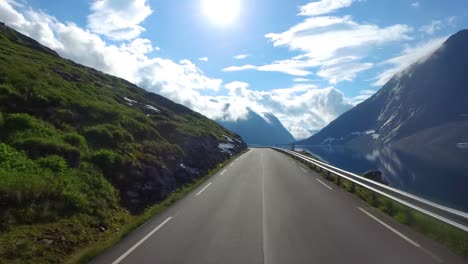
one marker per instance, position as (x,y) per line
(324,37)
(239,68)
(291,67)
(301,108)
(437,25)
(205,59)
(342,69)
(410,55)
(415,4)
(337,46)
(323,7)
(363,95)
(241,56)
(431,28)
(118,19)
(299,80)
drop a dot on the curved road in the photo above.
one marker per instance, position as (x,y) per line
(267,208)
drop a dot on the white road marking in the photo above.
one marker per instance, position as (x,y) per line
(222,172)
(124,255)
(390,228)
(303,169)
(203,188)
(325,184)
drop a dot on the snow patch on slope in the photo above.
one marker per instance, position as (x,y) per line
(130,101)
(226,147)
(150,107)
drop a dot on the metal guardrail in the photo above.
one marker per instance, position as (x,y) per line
(445,214)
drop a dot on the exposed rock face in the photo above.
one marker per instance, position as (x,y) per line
(150,184)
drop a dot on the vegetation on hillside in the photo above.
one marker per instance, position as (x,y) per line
(80,149)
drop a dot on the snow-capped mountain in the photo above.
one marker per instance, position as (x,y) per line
(260,129)
(424,106)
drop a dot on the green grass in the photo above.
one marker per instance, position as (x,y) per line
(72,148)
(99,247)
(453,238)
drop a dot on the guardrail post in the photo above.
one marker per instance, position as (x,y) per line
(353,187)
(338,180)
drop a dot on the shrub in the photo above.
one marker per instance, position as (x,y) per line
(40,147)
(8,155)
(98,112)
(403,217)
(64,116)
(2,121)
(107,135)
(22,125)
(54,163)
(107,160)
(20,122)
(75,140)
(139,129)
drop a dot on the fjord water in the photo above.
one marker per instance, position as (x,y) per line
(446,185)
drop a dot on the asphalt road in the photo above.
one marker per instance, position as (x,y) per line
(267,208)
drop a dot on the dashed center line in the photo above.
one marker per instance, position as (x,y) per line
(325,184)
(222,172)
(203,189)
(390,228)
(303,169)
(124,255)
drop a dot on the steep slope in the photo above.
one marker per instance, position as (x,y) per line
(429,98)
(81,145)
(258,130)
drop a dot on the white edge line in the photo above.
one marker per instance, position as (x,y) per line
(204,188)
(390,228)
(324,184)
(124,255)
(303,169)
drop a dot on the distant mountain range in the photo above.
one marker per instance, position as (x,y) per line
(260,129)
(423,109)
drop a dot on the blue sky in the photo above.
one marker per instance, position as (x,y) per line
(304,61)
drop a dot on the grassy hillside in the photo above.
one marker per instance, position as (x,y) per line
(81,151)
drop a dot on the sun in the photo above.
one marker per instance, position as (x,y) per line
(221,12)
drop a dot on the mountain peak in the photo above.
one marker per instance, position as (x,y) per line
(461,35)
(260,129)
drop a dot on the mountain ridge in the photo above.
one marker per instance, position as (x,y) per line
(427,94)
(257,129)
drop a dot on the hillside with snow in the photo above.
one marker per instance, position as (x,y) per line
(260,129)
(422,109)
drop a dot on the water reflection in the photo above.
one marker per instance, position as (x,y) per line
(442,184)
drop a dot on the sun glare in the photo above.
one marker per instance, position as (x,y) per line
(221,12)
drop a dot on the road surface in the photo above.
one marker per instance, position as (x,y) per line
(267,208)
